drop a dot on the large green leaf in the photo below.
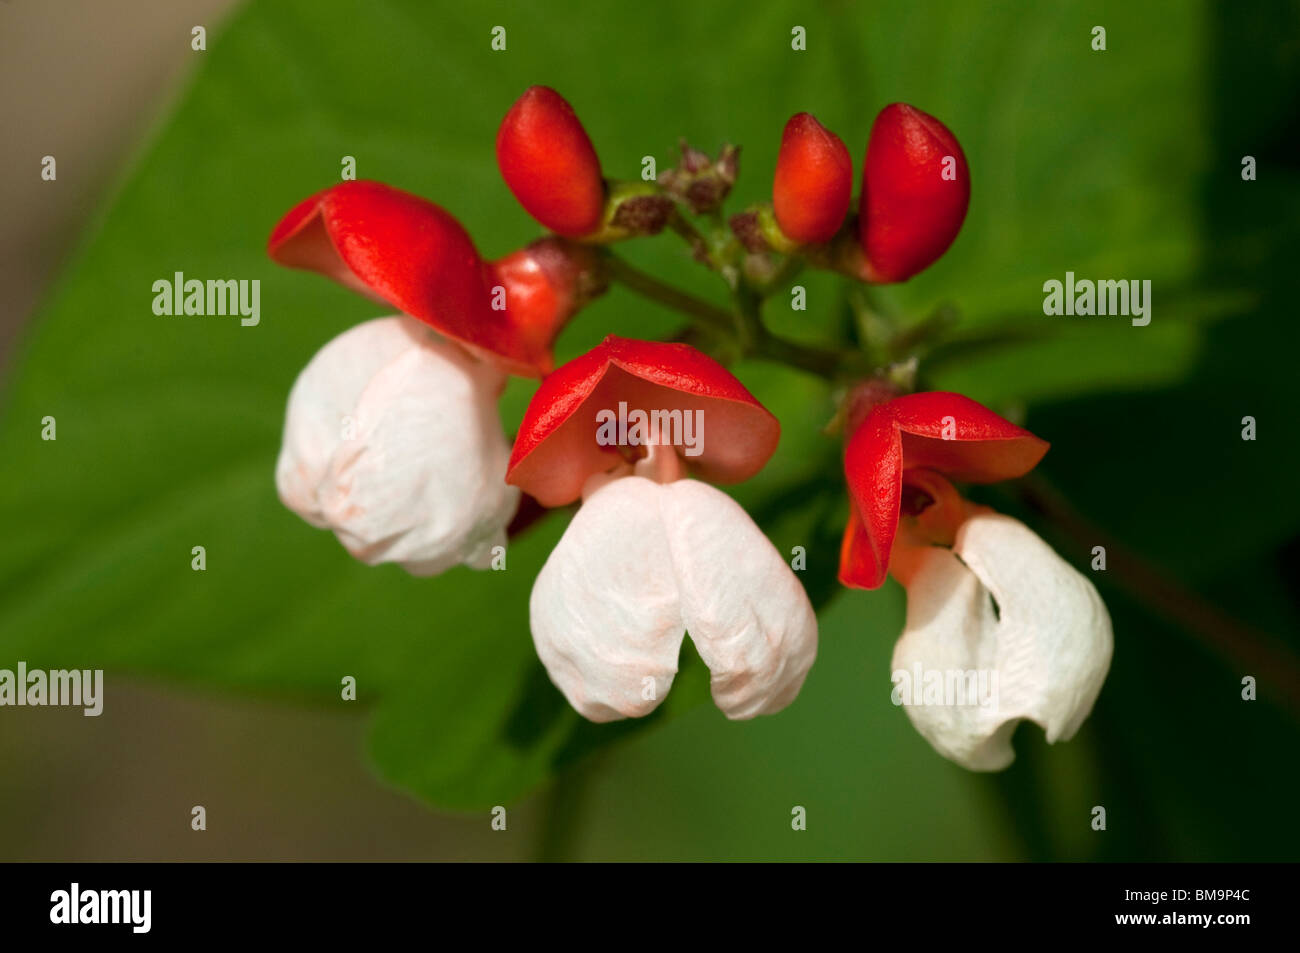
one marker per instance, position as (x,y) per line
(168,426)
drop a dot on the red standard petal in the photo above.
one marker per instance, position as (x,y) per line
(813,181)
(549,163)
(963,439)
(939,431)
(873,468)
(557,449)
(408,252)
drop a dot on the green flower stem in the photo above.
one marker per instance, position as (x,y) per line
(708,249)
(745,323)
(562,811)
(758,341)
(747,307)
(814,360)
(922,334)
(651,287)
(679,224)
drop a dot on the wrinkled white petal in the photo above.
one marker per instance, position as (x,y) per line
(324,398)
(392,440)
(1049,642)
(604,609)
(640,564)
(747,614)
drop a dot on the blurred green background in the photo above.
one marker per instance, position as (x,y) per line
(223,686)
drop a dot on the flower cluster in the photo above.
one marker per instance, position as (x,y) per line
(394,442)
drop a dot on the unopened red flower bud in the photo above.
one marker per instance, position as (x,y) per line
(915,191)
(549,163)
(813,183)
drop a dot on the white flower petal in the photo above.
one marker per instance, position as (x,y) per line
(1049,640)
(604,609)
(742,605)
(397,447)
(323,397)
(643,562)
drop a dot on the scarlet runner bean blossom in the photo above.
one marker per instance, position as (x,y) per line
(652,554)
(984,593)
(392,438)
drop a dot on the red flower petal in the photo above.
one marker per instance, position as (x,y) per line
(408,252)
(549,163)
(981,447)
(873,468)
(945,432)
(556,449)
(537,307)
(813,182)
(546,283)
(909,213)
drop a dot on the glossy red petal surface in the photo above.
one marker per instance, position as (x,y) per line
(873,469)
(981,446)
(813,182)
(909,213)
(549,163)
(940,431)
(556,448)
(405,250)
